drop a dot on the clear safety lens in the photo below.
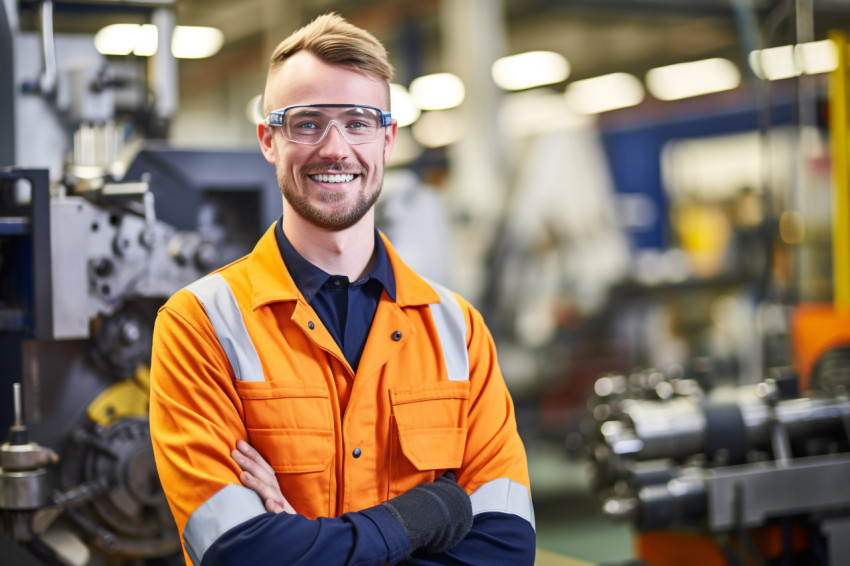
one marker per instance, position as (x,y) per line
(310,124)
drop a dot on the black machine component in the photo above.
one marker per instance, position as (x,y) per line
(131,516)
(668,455)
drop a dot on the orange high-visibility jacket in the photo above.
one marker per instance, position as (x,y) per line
(241,355)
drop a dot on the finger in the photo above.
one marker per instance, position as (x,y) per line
(264,490)
(253,455)
(274,500)
(253,467)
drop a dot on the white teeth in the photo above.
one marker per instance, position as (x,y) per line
(333,178)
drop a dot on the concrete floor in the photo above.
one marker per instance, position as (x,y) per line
(570,525)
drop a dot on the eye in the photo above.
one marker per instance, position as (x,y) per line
(306,125)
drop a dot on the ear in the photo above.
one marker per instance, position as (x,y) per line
(389,141)
(264,133)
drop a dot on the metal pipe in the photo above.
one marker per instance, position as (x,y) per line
(47,80)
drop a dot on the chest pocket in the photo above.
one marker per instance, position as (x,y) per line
(291,425)
(428,433)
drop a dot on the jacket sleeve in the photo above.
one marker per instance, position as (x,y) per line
(496,539)
(495,469)
(196,418)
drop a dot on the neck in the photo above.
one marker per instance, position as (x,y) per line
(345,252)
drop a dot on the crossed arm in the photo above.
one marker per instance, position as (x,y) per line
(494,538)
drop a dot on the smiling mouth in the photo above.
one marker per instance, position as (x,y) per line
(333,178)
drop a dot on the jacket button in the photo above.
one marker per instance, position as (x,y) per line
(310,325)
(356,453)
(396,336)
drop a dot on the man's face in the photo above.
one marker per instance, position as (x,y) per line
(332,184)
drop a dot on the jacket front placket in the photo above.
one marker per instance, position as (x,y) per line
(365,428)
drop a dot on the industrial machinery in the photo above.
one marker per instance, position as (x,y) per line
(750,467)
(83,275)
(98,228)
(731,474)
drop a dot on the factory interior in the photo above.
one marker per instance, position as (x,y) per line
(648,201)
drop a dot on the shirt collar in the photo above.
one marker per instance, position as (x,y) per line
(309,278)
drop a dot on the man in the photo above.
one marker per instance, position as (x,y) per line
(371,421)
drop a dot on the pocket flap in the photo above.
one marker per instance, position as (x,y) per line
(434,449)
(432,424)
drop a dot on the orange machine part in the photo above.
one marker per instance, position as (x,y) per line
(816,329)
(675,548)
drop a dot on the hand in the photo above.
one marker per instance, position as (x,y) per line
(259,476)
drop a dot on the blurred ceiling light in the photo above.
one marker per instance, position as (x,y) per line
(818,56)
(539,111)
(254,109)
(529,70)
(146,41)
(438,129)
(196,42)
(403,109)
(405,150)
(188,42)
(439,91)
(774,63)
(788,61)
(601,94)
(684,80)
(117,39)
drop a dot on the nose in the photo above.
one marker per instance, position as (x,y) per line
(334,143)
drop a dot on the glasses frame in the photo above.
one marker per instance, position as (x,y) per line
(276,118)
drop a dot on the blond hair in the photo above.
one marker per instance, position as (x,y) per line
(335,41)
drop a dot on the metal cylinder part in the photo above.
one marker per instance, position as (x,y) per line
(21,491)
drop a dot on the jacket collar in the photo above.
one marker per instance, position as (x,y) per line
(271,282)
(310,278)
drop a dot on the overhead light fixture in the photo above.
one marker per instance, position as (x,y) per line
(696,78)
(538,111)
(818,56)
(787,61)
(117,39)
(439,128)
(529,70)
(147,40)
(403,109)
(254,109)
(604,93)
(439,91)
(774,63)
(196,42)
(188,42)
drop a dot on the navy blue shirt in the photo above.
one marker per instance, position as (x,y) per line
(345,308)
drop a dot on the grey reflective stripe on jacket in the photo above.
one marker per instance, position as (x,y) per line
(451,328)
(223,311)
(503,495)
(231,506)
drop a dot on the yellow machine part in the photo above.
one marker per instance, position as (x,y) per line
(839,125)
(129,398)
